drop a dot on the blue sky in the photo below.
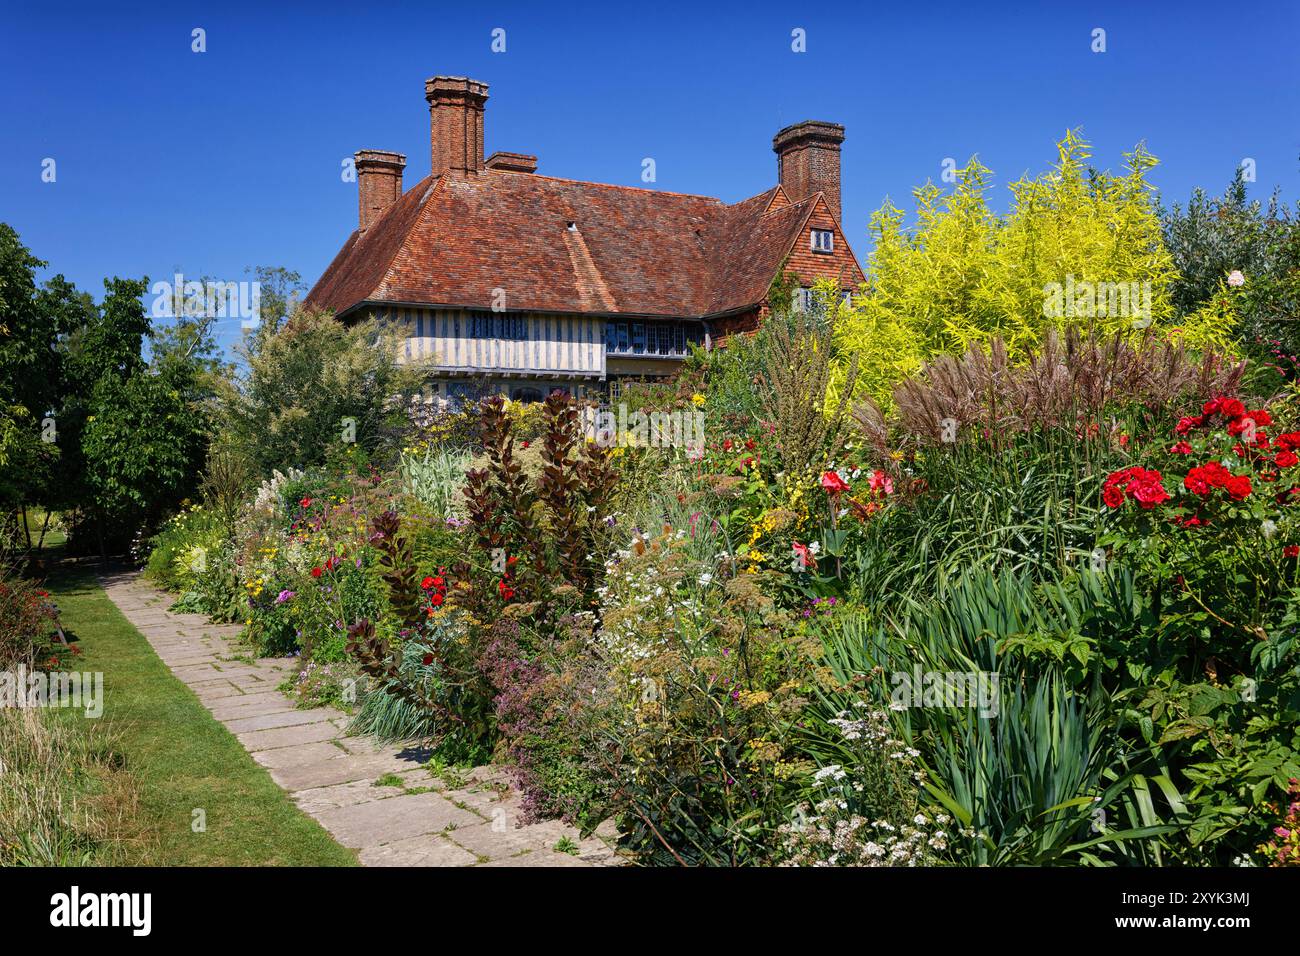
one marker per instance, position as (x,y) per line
(210,162)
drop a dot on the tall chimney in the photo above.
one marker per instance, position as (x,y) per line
(379,183)
(456,124)
(808,161)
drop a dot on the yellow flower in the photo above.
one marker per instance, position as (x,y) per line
(697,399)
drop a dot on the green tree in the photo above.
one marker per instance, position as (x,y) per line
(312,383)
(137,432)
(33,323)
(1213,237)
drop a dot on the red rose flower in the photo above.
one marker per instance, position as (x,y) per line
(1260,417)
(1148,491)
(1182,448)
(306,502)
(1144,486)
(1186,424)
(1286,459)
(317,572)
(1237,486)
(1291,550)
(1203,479)
(1227,407)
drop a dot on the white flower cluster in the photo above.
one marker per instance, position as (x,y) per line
(636,586)
(872,731)
(267,499)
(829,833)
(833,838)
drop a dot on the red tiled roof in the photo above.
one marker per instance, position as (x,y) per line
(452,241)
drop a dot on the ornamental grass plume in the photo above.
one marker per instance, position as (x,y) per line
(1071,378)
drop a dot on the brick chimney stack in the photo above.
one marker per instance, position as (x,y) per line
(808,161)
(456,124)
(379,183)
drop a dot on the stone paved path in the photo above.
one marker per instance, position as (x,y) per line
(471,820)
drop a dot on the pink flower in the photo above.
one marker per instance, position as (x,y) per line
(1236,279)
(882,482)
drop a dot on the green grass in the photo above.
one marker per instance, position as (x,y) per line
(54,537)
(181,757)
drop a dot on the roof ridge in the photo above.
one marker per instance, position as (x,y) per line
(638,189)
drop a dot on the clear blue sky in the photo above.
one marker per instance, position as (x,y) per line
(208,163)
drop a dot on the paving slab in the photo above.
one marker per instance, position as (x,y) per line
(410,815)
(288,736)
(426,850)
(420,822)
(267,721)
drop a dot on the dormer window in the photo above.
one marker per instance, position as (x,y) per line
(822,240)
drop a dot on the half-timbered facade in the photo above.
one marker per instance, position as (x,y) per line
(504,280)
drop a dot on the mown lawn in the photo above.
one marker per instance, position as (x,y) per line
(180,756)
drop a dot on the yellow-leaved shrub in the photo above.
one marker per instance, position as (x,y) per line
(1078,248)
